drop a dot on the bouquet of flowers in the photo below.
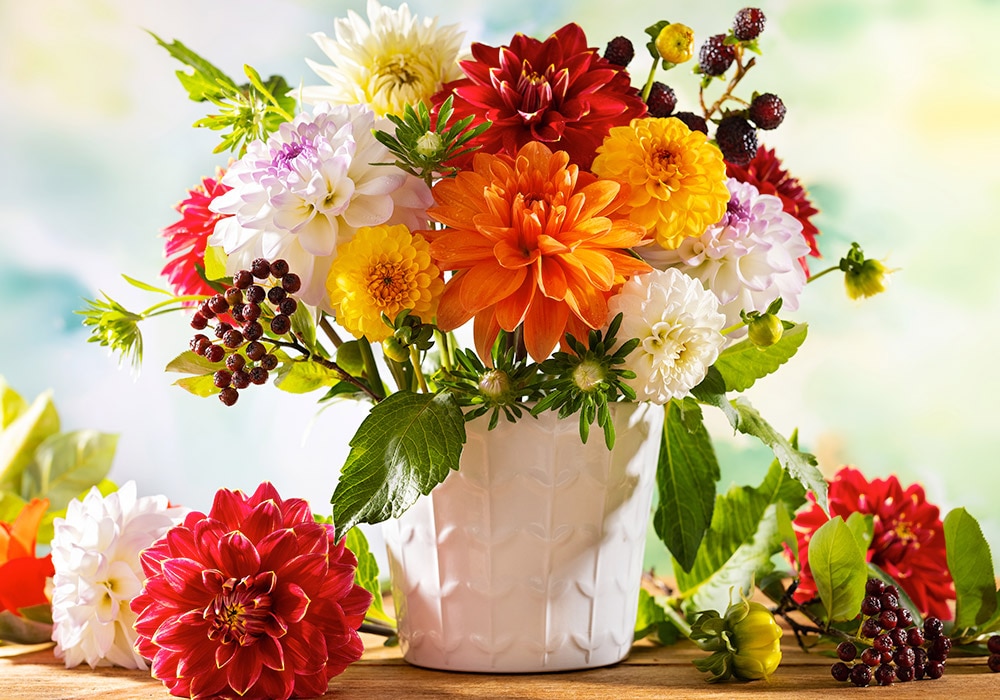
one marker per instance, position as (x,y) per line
(601,243)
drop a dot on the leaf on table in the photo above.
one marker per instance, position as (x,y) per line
(405,447)
(68,464)
(21,630)
(840,569)
(20,439)
(971,567)
(686,474)
(652,619)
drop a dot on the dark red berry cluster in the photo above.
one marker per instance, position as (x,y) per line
(899,650)
(620,51)
(994,648)
(247,360)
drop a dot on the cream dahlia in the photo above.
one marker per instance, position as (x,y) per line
(748,259)
(393,61)
(95,554)
(308,189)
(678,325)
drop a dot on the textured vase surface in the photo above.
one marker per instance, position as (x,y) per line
(529,558)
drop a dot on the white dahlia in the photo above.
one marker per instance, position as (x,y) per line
(748,259)
(308,189)
(678,325)
(393,61)
(95,554)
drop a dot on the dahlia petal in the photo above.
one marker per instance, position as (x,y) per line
(368,211)
(543,326)
(180,573)
(271,653)
(485,330)
(552,280)
(262,521)
(238,555)
(229,507)
(513,257)
(224,653)
(317,236)
(488,283)
(451,313)
(181,632)
(512,309)
(243,671)
(293,604)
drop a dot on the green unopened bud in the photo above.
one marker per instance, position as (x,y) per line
(588,375)
(764,331)
(675,43)
(349,358)
(866,280)
(395,350)
(746,642)
(429,144)
(494,383)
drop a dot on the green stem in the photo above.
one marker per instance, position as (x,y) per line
(415,362)
(371,367)
(732,328)
(679,620)
(330,331)
(175,300)
(813,278)
(649,80)
(445,350)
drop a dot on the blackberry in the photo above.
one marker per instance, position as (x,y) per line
(221,329)
(229,395)
(234,296)
(846,651)
(255,295)
(932,628)
(933,669)
(890,601)
(748,24)
(258,375)
(715,56)
(253,331)
(887,619)
(619,51)
(905,656)
(904,617)
(905,674)
(237,313)
(241,380)
(871,605)
(255,350)
(218,304)
(883,642)
(269,361)
(233,339)
(840,671)
(861,675)
(693,121)
(199,343)
(661,100)
(994,663)
(737,140)
(939,649)
(279,268)
(251,312)
(243,279)
(874,587)
(260,268)
(767,111)
(206,310)
(993,644)
(885,674)
(288,306)
(281,324)
(199,322)
(275,295)
(871,657)
(291,283)
(870,628)
(214,353)
(222,378)
(235,362)
(900,636)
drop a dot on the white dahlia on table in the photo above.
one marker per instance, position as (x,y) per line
(678,325)
(748,259)
(393,61)
(308,189)
(95,554)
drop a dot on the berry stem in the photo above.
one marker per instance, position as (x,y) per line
(330,331)
(741,70)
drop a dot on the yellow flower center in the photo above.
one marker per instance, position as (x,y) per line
(388,283)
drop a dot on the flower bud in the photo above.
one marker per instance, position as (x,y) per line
(757,640)
(429,144)
(866,280)
(675,43)
(588,375)
(764,331)
(494,383)
(395,350)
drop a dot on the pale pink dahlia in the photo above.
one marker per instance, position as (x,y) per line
(254,600)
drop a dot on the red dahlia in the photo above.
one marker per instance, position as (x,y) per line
(186,239)
(254,600)
(908,542)
(557,91)
(765,173)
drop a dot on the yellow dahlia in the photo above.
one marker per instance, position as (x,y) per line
(392,61)
(678,179)
(383,270)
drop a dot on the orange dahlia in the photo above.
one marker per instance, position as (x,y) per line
(558,91)
(678,179)
(535,242)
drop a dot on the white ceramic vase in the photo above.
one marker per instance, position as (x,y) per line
(529,558)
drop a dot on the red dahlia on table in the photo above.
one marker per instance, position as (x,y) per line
(557,91)
(908,540)
(254,599)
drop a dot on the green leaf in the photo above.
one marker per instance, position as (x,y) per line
(303,376)
(10,505)
(652,618)
(20,439)
(839,568)
(863,527)
(406,446)
(68,464)
(21,630)
(215,262)
(189,362)
(800,465)
(199,386)
(304,326)
(744,363)
(38,613)
(11,404)
(205,81)
(971,566)
(366,574)
(685,476)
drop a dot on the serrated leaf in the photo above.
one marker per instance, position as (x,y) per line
(686,474)
(20,439)
(144,286)
(801,465)
(189,362)
(737,525)
(839,568)
(199,386)
(366,575)
(971,567)
(11,404)
(743,363)
(66,465)
(406,446)
(304,376)
(205,82)
(19,630)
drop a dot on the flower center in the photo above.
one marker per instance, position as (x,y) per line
(735,213)
(536,94)
(387,283)
(588,375)
(664,343)
(240,612)
(283,158)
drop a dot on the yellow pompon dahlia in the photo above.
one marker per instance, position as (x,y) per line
(383,270)
(678,179)
(392,61)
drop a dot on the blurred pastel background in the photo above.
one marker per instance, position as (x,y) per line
(892,125)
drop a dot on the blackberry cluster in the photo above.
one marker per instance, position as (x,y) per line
(619,51)
(748,24)
(899,650)
(239,316)
(715,56)
(737,139)
(994,648)
(661,100)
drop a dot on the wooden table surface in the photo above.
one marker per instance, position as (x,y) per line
(649,672)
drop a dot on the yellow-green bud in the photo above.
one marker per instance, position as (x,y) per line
(494,383)
(764,331)
(429,144)
(349,358)
(675,43)
(395,350)
(870,279)
(588,375)
(757,640)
